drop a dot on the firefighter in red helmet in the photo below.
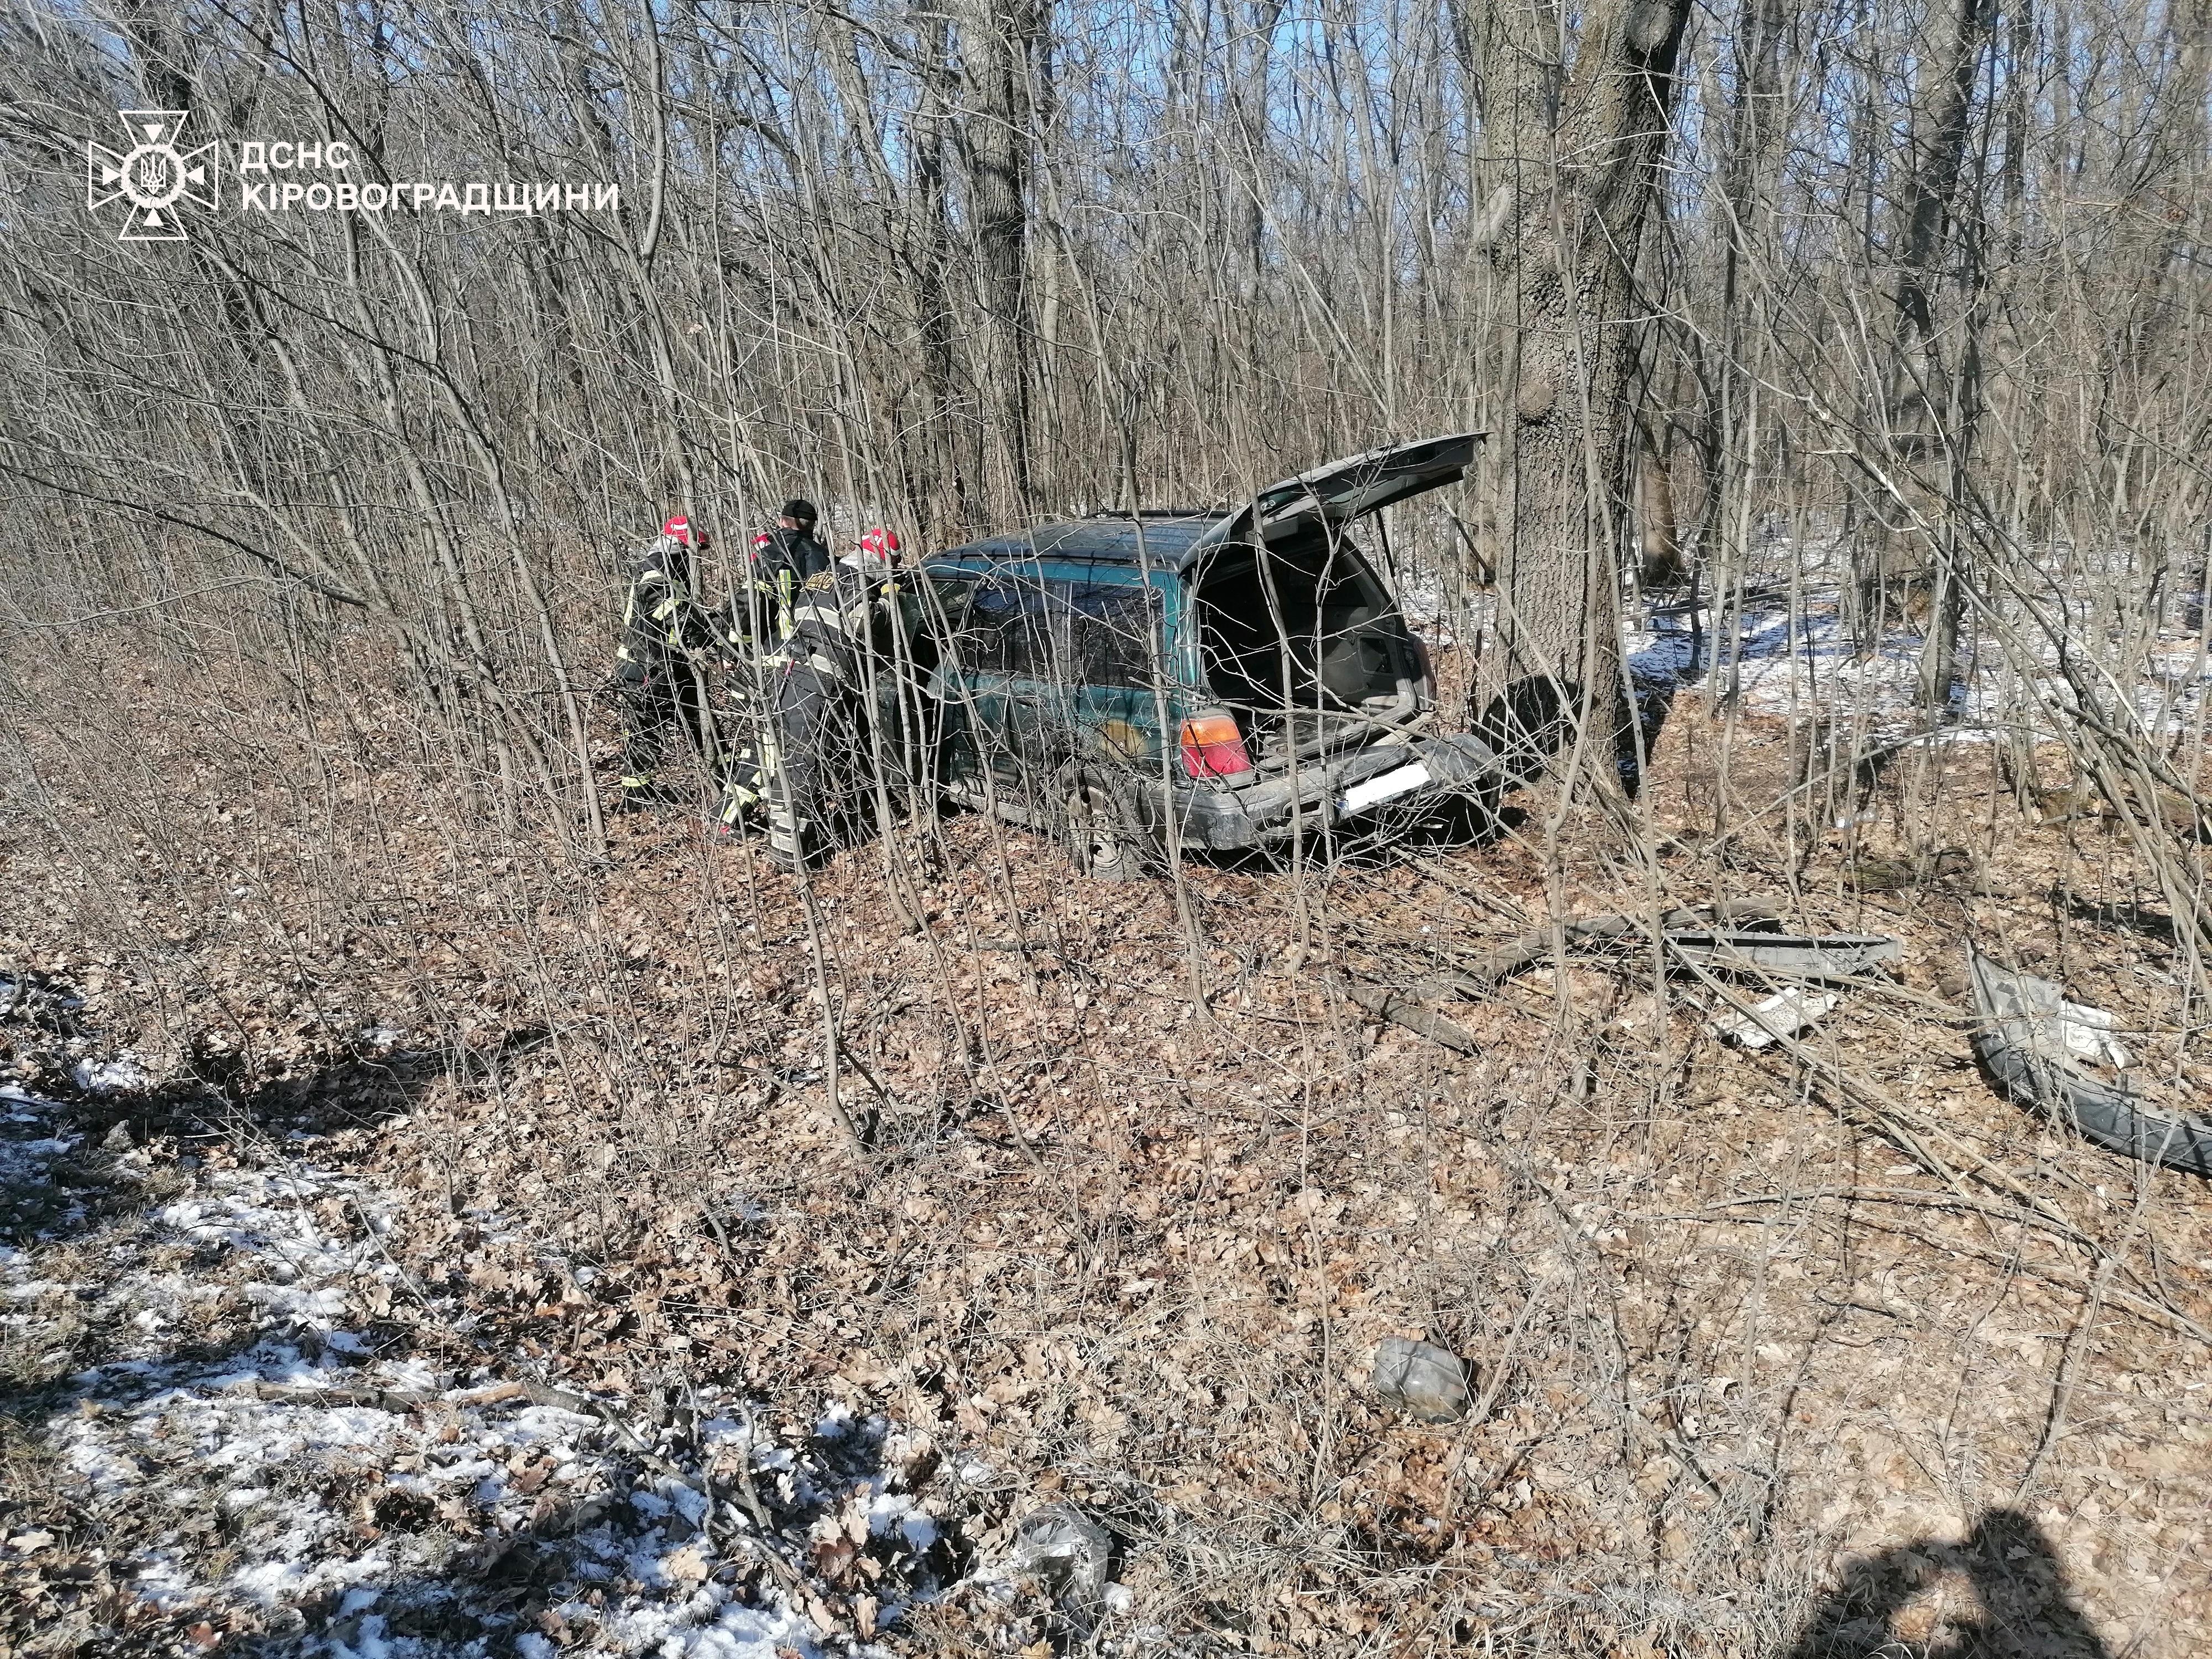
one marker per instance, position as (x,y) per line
(656,680)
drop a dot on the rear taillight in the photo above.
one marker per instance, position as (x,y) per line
(1424,665)
(1213,747)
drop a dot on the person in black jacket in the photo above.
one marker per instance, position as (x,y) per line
(656,675)
(851,648)
(784,559)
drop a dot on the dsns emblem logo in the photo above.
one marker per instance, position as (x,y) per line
(152,175)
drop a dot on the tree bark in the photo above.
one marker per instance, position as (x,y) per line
(1930,408)
(1582,179)
(999,39)
(1918,411)
(929,279)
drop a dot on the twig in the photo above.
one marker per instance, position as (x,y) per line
(2069,1364)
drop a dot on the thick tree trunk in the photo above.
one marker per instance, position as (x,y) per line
(996,51)
(1930,413)
(1581,181)
(926,272)
(1918,404)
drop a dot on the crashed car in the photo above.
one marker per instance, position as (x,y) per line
(1238,680)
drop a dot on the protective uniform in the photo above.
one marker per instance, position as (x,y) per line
(656,678)
(759,622)
(784,560)
(755,663)
(849,656)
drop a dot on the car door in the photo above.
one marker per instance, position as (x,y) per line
(1005,678)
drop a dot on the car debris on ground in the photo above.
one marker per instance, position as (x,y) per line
(1737,937)
(2034,1041)
(1785,956)
(1790,1010)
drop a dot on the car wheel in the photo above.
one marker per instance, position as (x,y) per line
(1098,837)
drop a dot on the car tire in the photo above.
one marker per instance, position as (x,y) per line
(1097,832)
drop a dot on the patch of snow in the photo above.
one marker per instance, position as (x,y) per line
(276,1437)
(1798,656)
(890,1511)
(743,1632)
(107,1077)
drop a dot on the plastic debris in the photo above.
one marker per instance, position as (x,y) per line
(2034,1039)
(2087,1033)
(2035,1016)
(1739,936)
(1784,1014)
(1790,956)
(1070,1554)
(1426,1382)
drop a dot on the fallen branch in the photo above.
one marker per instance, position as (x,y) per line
(1404,1010)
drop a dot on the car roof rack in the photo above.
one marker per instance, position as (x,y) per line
(1161,512)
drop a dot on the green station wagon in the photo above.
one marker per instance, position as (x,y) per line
(1235,681)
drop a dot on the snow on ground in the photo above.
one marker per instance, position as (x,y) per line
(1797,655)
(274,1465)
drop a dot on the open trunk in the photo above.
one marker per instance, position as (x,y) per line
(1297,634)
(1298,638)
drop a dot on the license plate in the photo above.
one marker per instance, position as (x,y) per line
(1401,780)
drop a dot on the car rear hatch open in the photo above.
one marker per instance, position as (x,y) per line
(1296,633)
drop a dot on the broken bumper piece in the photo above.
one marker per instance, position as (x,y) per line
(1785,955)
(2027,1035)
(1408,778)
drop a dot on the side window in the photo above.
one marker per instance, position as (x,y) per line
(936,605)
(1008,630)
(1113,634)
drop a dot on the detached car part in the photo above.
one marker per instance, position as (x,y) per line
(1694,938)
(1785,956)
(1790,1010)
(2028,1040)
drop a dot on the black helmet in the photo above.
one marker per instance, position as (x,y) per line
(799,512)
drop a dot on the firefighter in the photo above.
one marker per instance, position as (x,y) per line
(847,643)
(784,559)
(656,676)
(760,620)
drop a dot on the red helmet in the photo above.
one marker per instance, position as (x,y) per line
(679,529)
(881,543)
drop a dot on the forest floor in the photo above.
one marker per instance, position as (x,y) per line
(418,1245)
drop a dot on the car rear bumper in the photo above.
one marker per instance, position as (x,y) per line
(1371,786)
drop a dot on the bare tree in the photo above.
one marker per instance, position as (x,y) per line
(1585,168)
(998,44)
